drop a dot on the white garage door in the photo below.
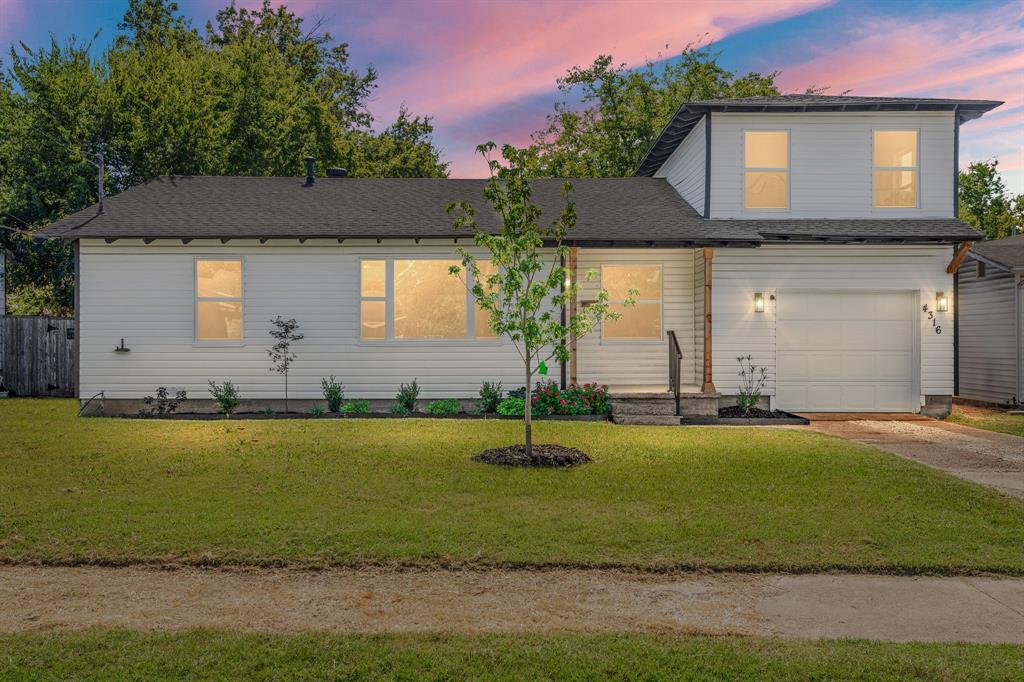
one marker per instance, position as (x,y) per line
(845,352)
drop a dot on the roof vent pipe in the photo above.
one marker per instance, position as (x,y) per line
(309,171)
(337,172)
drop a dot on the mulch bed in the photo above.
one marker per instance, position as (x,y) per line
(753,413)
(543,456)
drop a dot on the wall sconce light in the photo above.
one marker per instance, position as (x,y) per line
(759,302)
(941,302)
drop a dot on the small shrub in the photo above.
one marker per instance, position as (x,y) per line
(752,381)
(334,393)
(518,393)
(268,411)
(444,407)
(490,396)
(512,407)
(162,404)
(226,396)
(316,410)
(596,397)
(356,407)
(405,399)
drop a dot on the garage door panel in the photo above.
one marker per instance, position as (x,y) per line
(845,351)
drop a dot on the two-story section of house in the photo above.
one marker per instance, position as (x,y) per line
(815,234)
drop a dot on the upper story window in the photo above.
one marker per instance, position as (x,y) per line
(895,169)
(417,300)
(219,299)
(640,322)
(766,169)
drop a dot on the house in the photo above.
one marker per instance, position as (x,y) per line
(990,324)
(814,233)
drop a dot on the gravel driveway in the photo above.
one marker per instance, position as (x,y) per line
(993,459)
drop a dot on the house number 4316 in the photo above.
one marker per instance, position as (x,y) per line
(931,316)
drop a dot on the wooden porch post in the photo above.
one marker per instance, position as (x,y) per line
(708,386)
(573,258)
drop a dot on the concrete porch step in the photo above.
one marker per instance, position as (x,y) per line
(646,419)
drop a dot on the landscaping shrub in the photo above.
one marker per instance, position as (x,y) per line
(574,400)
(444,407)
(596,397)
(316,410)
(518,393)
(356,407)
(226,396)
(268,411)
(162,404)
(490,396)
(334,393)
(405,399)
(752,381)
(512,407)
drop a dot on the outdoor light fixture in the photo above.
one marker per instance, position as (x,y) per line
(941,302)
(759,302)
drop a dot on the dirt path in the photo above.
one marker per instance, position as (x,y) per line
(878,607)
(995,459)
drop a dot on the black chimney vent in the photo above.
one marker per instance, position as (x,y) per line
(337,172)
(309,171)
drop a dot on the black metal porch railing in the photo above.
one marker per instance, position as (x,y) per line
(675,358)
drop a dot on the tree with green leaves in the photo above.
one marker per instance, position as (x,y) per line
(624,109)
(525,285)
(985,202)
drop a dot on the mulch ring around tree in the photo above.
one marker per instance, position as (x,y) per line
(543,456)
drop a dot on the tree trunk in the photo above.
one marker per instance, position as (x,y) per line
(528,412)
(286,392)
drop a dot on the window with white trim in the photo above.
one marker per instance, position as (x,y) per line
(642,284)
(766,169)
(219,306)
(410,299)
(894,179)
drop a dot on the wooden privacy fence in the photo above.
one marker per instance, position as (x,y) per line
(37,355)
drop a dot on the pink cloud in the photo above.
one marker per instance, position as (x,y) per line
(12,13)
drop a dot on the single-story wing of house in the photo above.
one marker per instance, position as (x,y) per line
(814,233)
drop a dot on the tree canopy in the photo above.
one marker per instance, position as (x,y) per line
(250,95)
(985,202)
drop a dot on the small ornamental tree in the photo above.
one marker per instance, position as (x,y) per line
(284,334)
(526,285)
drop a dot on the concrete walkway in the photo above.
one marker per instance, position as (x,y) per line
(993,459)
(804,606)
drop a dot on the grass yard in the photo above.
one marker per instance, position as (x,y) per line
(988,419)
(214,655)
(349,492)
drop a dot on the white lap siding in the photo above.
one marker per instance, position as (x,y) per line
(145,294)
(739,273)
(634,364)
(684,169)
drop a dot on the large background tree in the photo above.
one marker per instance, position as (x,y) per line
(985,203)
(251,95)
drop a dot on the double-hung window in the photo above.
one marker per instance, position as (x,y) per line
(895,169)
(418,300)
(641,284)
(219,306)
(766,169)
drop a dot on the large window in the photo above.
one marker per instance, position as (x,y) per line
(766,169)
(642,284)
(417,299)
(895,169)
(219,299)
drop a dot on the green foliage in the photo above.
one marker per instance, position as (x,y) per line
(985,203)
(333,392)
(162,404)
(444,407)
(356,407)
(226,396)
(490,396)
(548,398)
(512,407)
(316,410)
(624,109)
(405,399)
(285,333)
(752,381)
(251,95)
(268,411)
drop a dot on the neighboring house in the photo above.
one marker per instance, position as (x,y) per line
(811,232)
(990,322)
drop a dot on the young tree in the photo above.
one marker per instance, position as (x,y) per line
(985,203)
(526,284)
(284,334)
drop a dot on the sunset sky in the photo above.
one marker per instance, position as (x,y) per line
(487,70)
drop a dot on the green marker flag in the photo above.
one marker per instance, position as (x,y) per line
(542,368)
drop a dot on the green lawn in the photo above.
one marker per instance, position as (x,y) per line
(990,420)
(355,491)
(213,655)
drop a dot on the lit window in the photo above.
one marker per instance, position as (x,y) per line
(219,300)
(637,322)
(373,300)
(895,169)
(481,320)
(766,169)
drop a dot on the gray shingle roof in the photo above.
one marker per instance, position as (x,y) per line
(639,211)
(687,116)
(1008,252)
